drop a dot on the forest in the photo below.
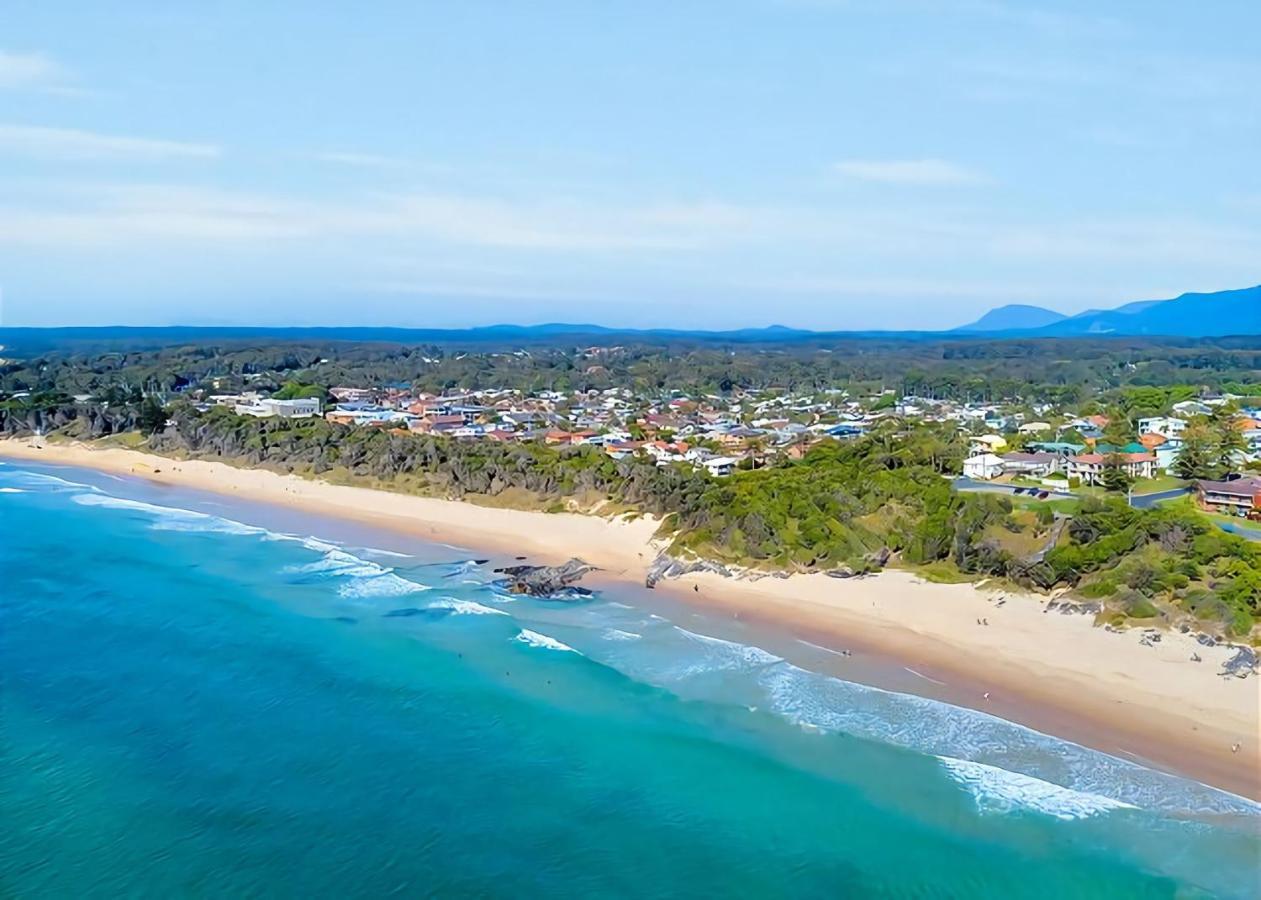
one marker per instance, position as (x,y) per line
(1047,370)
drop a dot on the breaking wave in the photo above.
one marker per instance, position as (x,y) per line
(465,607)
(998,790)
(534,639)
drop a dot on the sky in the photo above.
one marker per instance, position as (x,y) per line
(830,164)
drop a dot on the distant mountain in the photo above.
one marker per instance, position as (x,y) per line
(1190,315)
(1014,316)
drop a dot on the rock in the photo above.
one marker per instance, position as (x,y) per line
(1242,664)
(554,582)
(666,566)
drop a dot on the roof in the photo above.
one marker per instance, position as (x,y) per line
(1017,456)
(1098,458)
(1239,487)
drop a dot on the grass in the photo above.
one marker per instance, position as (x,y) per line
(942,572)
(1158,484)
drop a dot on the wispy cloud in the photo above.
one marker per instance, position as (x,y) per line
(918,172)
(73,144)
(33,71)
(358,160)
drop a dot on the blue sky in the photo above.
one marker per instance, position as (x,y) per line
(844,164)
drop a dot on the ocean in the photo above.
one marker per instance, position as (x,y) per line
(205,697)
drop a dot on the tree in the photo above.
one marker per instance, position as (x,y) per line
(1198,456)
(1230,440)
(1114,477)
(152,415)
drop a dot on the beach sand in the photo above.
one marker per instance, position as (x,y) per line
(1053,672)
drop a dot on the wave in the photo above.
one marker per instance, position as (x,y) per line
(998,790)
(170,518)
(364,579)
(617,634)
(465,607)
(13,490)
(721,654)
(534,639)
(43,479)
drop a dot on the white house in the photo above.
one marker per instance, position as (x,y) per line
(719,466)
(983,466)
(300,408)
(1164,425)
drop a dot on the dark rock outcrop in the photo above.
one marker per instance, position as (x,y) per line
(553,582)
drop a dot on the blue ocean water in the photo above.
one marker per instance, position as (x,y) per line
(211,699)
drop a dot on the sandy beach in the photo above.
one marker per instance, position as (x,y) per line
(999,651)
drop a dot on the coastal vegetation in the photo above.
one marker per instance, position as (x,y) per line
(845,508)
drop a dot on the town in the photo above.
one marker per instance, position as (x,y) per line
(1038,450)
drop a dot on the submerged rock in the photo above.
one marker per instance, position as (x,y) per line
(553,582)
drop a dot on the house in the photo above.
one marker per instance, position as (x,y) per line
(988,443)
(983,466)
(1238,496)
(301,408)
(1060,448)
(1034,465)
(1034,427)
(1089,467)
(1192,408)
(1163,425)
(719,466)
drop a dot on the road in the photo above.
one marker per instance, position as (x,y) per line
(968,484)
(1147,501)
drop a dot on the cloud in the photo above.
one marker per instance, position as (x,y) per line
(359,160)
(918,172)
(100,214)
(73,144)
(32,71)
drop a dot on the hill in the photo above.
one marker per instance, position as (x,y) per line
(1219,314)
(1014,316)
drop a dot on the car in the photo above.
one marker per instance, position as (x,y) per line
(1017,490)
(1044,495)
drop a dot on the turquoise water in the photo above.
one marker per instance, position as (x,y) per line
(201,698)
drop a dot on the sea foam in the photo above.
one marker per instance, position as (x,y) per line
(465,607)
(998,790)
(534,639)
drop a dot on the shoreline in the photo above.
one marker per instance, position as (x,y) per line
(1052,672)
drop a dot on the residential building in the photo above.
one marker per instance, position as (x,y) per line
(1089,467)
(1238,496)
(1035,465)
(983,466)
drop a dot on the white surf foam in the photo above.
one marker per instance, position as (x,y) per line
(43,479)
(12,490)
(534,639)
(998,790)
(384,585)
(170,518)
(362,578)
(617,634)
(465,607)
(722,654)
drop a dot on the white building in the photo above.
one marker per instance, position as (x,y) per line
(300,408)
(719,466)
(983,466)
(1163,425)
